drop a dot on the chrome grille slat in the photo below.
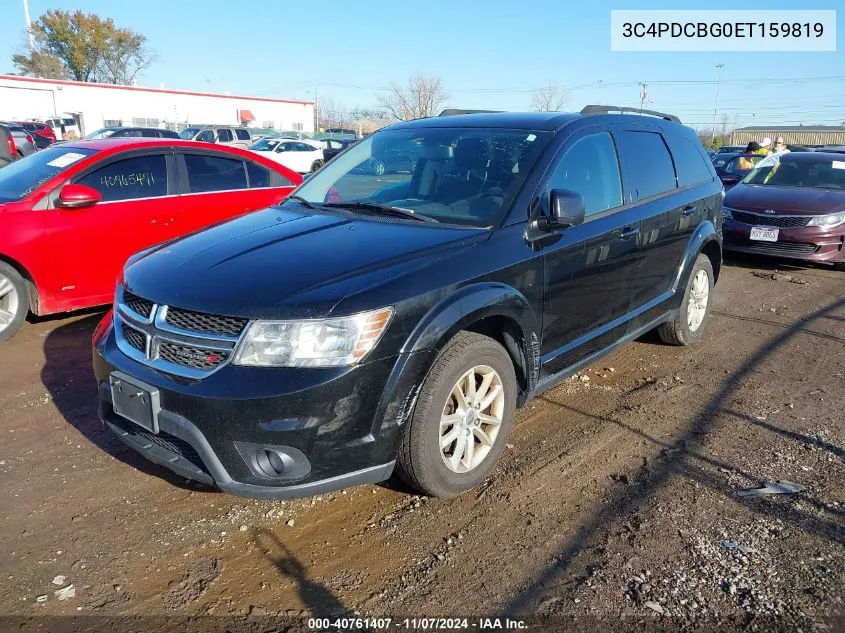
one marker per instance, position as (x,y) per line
(194,346)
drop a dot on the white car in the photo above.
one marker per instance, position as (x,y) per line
(64,127)
(299,155)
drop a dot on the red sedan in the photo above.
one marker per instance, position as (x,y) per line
(71,214)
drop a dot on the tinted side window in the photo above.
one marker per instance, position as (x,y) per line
(648,163)
(206,135)
(224,135)
(243,135)
(138,177)
(591,167)
(690,161)
(213,173)
(258,176)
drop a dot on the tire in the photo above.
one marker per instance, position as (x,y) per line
(14,301)
(421,461)
(839,266)
(691,323)
(379,168)
(316,165)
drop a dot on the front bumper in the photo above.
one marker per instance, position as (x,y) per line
(809,243)
(333,428)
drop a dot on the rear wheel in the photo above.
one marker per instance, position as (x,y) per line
(316,165)
(14,301)
(689,327)
(379,168)
(463,418)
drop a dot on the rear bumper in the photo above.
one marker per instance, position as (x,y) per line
(805,243)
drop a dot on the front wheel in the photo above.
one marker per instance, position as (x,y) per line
(379,168)
(463,418)
(14,301)
(316,165)
(689,327)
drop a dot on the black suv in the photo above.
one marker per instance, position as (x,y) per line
(370,323)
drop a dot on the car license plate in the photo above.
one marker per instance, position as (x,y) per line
(135,401)
(763,234)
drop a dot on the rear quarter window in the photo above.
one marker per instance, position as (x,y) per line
(647,163)
(691,163)
(243,135)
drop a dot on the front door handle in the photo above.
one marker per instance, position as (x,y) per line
(628,232)
(688,210)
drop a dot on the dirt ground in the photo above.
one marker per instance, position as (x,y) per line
(616,500)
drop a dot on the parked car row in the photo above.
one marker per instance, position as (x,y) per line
(74,212)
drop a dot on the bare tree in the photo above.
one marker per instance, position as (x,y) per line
(548,99)
(424,96)
(331,114)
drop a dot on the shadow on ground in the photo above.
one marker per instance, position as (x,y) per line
(681,460)
(319,600)
(69,377)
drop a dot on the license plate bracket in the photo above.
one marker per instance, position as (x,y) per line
(764,234)
(135,401)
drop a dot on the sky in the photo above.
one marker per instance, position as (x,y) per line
(490,54)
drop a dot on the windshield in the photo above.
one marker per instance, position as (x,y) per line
(787,171)
(19,179)
(188,133)
(104,133)
(455,175)
(266,144)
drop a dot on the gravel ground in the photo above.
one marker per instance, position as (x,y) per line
(618,503)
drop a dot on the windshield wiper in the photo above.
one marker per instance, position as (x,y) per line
(302,201)
(380,208)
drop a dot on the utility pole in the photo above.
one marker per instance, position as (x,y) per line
(719,68)
(316,111)
(643,94)
(28,25)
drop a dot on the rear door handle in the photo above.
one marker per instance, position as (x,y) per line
(628,232)
(688,210)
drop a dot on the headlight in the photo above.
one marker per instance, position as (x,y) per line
(312,343)
(827,221)
(727,213)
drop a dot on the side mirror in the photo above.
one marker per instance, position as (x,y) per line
(77,196)
(566,209)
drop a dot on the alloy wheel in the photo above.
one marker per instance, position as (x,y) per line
(9,302)
(698,297)
(471,419)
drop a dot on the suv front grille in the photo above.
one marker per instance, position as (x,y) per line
(206,323)
(188,356)
(778,221)
(135,338)
(137,304)
(175,340)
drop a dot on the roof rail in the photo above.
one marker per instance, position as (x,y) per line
(603,109)
(454,111)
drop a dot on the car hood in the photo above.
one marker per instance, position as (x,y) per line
(280,263)
(785,200)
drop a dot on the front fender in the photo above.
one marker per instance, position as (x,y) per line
(446,318)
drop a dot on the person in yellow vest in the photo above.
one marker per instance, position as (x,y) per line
(745,163)
(765,146)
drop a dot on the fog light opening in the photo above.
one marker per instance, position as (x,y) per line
(271,462)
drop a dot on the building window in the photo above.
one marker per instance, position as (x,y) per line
(112,123)
(298,127)
(270,125)
(144,122)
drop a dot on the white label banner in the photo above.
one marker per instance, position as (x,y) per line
(728,30)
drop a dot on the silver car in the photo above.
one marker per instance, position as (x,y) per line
(220,134)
